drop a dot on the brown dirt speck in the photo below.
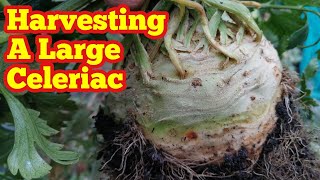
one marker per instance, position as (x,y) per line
(196,82)
(226,130)
(245,74)
(132,66)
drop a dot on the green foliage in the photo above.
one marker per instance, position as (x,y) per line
(298,37)
(8,176)
(5,114)
(30,132)
(30,129)
(306,93)
(311,69)
(301,3)
(293,2)
(285,29)
(307,101)
(6,139)
(55,108)
(3,65)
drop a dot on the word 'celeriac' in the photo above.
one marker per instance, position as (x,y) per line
(21,78)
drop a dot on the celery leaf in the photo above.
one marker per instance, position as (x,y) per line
(30,136)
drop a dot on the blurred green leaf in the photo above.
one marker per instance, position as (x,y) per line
(301,3)
(307,101)
(282,28)
(298,38)
(7,176)
(80,121)
(6,144)
(3,65)
(5,114)
(311,69)
(3,37)
(306,93)
(55,108)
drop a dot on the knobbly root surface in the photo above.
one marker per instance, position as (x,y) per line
(212,110)
(191,98)
(286,154)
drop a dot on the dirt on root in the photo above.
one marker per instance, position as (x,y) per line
(126,154)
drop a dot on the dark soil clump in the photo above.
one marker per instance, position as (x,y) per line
(286,154)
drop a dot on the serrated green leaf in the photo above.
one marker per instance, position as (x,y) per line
(30,131)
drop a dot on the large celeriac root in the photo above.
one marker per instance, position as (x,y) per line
(201,114)
(286,154)
(213,109)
